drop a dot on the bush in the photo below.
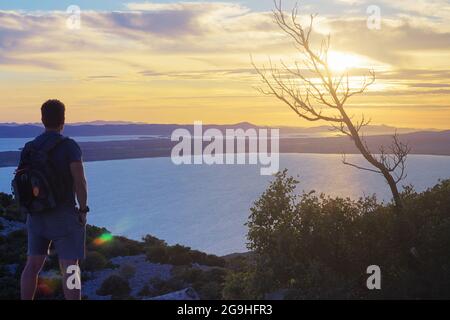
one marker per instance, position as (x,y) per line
(116,286)
(94,261)
(145,291)
(152,241)
(179,255)
(8,208)
(9,288)
(161,287)
(6,200)
(127,271)
(206,259)
(157,254)
(13,247)
(208,284)
(210,290)
(238,286)
(320,247)
(117,246)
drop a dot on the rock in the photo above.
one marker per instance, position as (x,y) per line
(144,271)
(185,294)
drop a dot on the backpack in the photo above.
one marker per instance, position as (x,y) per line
(37,185)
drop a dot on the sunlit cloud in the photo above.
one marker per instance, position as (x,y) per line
(127,64)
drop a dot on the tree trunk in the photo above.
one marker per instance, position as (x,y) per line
(394,190)
(371,159)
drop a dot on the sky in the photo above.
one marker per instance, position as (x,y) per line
(177,62)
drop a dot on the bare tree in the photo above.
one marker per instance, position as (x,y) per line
(315,93)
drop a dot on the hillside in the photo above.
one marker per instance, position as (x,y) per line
(115,267)
(305,247)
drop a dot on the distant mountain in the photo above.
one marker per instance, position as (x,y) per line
(106,128)
(425,142)
(103,122)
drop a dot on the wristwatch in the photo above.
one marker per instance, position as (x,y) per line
(85,210)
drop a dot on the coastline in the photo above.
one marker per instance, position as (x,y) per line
(421,144)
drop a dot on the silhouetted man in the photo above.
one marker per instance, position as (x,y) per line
(64,224)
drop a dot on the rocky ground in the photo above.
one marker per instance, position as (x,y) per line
(139,273)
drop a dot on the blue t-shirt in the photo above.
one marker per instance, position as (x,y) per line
(63,155)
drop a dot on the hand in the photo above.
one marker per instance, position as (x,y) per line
(82,218)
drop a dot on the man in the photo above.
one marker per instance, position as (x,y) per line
(65,225)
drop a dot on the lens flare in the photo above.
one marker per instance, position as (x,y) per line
(102,239)
(47,286)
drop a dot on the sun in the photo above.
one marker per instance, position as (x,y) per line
(339,61)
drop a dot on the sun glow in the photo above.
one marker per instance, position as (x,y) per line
(339,61)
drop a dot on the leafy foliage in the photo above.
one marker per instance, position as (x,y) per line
(116,286)
(319,247)
(94,261)
(13,253)
(159,252)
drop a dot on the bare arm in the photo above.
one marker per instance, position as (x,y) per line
(80,184)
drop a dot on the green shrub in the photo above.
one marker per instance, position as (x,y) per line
(210,291)
(238,286)
(152,241)
(320,247)
(208,284)
(145,291)
(94,261)
(127,271)
(157,254)
(161,287)
(117,246)
(13,247)
(6,200)
(116,286)
(179,255)
(9,288)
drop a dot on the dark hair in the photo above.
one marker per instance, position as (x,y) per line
(53,113)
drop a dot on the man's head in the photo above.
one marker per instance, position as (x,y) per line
(53,114)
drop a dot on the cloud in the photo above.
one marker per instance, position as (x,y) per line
(350,2)
(221,8)
(134,24)
(430,8)
(160,37)
(35,62)
(388,44)
(429,85)
(165,28)
(202,74)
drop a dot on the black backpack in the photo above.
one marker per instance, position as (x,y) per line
(37,185)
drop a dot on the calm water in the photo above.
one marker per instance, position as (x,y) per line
(14,144)
(205,207)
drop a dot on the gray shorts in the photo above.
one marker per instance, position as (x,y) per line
(60,226)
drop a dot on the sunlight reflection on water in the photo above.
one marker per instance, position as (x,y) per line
(205,207)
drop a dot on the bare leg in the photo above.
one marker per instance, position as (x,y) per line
(70,269)
(29,278)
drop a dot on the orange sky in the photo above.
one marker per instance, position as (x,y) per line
(180,62)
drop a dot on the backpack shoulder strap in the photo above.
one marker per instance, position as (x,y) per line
(49,147)
(25,154)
